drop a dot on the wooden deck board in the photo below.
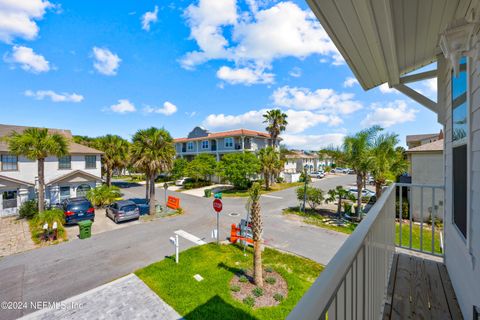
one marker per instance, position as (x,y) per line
(419,289)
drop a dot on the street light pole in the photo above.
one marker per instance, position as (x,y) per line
(305,188)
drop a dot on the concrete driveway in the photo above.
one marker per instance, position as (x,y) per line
(58,272)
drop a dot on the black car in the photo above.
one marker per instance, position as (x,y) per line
(78,209)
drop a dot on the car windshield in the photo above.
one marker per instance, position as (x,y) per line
(129,207)
(139,201)
(79,206)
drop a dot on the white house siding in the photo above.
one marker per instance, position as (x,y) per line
(462,256)
(427,169)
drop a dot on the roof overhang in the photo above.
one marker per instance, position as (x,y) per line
(75,176)
(381,40)
(7,181)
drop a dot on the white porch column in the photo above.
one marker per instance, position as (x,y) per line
(243,143)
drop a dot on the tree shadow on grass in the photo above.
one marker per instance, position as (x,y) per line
(217,308)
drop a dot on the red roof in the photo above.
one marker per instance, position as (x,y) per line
(230,133)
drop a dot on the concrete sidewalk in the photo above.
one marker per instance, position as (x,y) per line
(124,298)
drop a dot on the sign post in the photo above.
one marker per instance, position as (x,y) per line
(218,206)
(174,241)
(165,187)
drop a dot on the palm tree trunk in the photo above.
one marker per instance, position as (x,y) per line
(147,187)
(109,177)
(359,193)
(267,181)
(41,185)
(152,194)
(257,263)
(339,207)
(378,189)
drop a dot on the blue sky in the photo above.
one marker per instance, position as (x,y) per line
(99,67)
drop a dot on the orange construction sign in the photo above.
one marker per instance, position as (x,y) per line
(235,235)
(173,203)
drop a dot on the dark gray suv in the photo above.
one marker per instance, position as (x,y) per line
(122,211)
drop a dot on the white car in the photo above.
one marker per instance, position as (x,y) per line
(181,182)
(365,192)
(318,174)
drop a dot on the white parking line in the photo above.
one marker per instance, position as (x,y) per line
(273,197)
(190,237)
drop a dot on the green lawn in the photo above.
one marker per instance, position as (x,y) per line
(311,217)
(275,187)
(211,298)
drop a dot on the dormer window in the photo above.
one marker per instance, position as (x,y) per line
(229,142)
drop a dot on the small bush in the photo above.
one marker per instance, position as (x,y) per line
(103,195)
(179,211)
(196,184)
(314,196)
(249,301)
(257,292)
(280,180)
(49,217)
(28,209)
(278,297)
(270,280)
(269,269)
(405,209)
(208,193)
(235,288)
(243,279)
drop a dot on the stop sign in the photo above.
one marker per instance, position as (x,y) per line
(217,205)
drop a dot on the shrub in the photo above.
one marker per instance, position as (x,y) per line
(48,216)
(280,180)
(28,209)
(196,184)
(303,177)
(314,196)
(269,269)
(243,279)
(235,288)
(278,297)
(179,211)
(257,292)
(405,209)
(347,208)
(270,280)
(103,195)
(208,193)
(239,169)
(249,301)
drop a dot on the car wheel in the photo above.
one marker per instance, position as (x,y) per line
(115,220)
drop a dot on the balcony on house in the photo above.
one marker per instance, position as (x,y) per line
(379,273)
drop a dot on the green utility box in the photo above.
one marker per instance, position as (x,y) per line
(85,229)
(218,195)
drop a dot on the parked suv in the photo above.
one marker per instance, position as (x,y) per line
(78,209)
(122,211)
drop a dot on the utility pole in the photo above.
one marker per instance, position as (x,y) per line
(305,188)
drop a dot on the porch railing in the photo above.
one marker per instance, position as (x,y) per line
(354,283)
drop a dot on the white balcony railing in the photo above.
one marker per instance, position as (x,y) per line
(354,283)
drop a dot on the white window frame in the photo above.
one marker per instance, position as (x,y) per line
(205,144)
(2,163)
(190,146)
(230,144)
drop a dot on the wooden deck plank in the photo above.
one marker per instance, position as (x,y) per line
(420,292)
(438,301)
(401,305)
(450,296)
(387,309)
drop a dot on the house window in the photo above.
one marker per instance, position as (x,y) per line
(229,142)
(9,199)
(9,162)
(459,141)
(90,162)
(65,162)
(64,193)
(190,146)
(205,144)
(82,190)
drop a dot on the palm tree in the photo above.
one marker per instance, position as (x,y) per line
(115,155)
(37,144)
(341,194)
(386,161)
(356,152)
(257,229)
(270,163)
(152,152)
(277,123)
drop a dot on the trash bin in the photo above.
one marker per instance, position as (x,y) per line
(218,195)
(85,229)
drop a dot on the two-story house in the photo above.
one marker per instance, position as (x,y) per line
(65,177)
(200,140)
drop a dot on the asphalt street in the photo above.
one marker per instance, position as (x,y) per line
(61,271)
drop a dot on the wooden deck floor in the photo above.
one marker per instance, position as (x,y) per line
(420,289)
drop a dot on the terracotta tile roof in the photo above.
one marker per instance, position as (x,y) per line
(230,133)
(428,147)
(74,148)
(301,155)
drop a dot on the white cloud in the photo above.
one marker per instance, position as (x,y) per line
(321,100)
(258,36)
(350,82)
(18,18)
(191,114)
(106,62)
(28,59)
(148,18)
(386,116)
(296,72)
(168,109)
(384,88)
(431,84)
(312,142)
(54,96)
(298,121)
(247,76)
(123,106)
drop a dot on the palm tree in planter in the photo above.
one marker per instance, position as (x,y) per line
(270,164)
(276,123)
(37,144)
(341,194)
(152,152)
(115,155)
(257,229)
